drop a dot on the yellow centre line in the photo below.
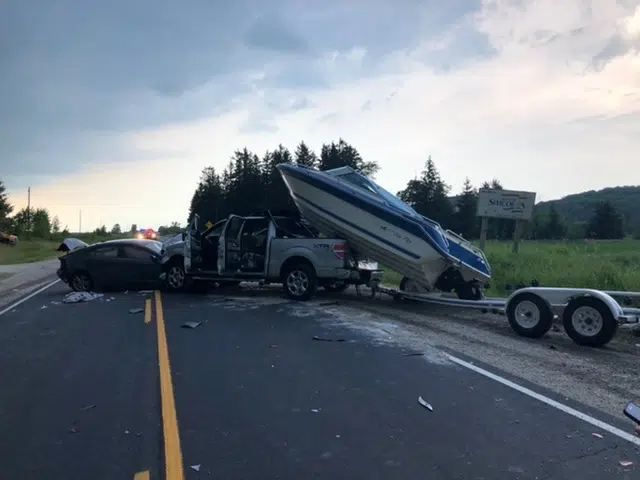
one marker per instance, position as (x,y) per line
(172,450)
(142,475)
(147,310)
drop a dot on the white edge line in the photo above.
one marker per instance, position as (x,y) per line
(560,406)
(31,295)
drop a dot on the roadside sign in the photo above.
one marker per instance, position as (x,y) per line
(208,224)
(509,204)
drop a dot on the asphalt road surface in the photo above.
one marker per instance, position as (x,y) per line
(92,391)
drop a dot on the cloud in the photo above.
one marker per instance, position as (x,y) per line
(529,91)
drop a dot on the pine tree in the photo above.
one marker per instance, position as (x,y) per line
(606,222)
(5,208)
(305,157)
(465,216)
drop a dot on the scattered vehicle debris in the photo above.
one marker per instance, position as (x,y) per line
(88,407)
(597,435)
(136,310)
(191,324)
(145,292)
(324,339)
(414,354)
(79,297)
(196,467)
(625,463)
(426,405)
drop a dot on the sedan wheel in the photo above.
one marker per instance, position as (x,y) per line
(81,282)
(175,277)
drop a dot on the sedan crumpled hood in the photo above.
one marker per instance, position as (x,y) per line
(70,244)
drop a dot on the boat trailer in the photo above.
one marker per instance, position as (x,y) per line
(590,317)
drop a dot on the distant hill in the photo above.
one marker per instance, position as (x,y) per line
(580,206)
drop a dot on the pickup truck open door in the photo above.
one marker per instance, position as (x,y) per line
(228,242)
(191,230)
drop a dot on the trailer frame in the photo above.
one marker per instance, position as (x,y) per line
(590,317)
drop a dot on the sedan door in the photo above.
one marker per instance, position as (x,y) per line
(142,265)
(103,265)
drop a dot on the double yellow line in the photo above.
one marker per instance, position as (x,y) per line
(174,469)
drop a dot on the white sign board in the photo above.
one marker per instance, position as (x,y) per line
(505,204)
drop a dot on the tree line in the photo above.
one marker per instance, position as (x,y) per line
(251,183)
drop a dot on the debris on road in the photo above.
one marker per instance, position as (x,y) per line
(625,463)
(597,435)
(426,405)
(43,307)
(136,310)
(191,324)
(145,292)
(414,354)
(88,407)
(273,346)
(315,410)
(80,297)
(324,339)
(196,467)
(73,430)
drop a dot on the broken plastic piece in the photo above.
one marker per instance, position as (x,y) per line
(145,292)
(323,339)
(191,324)
(422,402)
(136,310)
(196,467)
(597,435)
(625,463)
(88,407)
(414,354)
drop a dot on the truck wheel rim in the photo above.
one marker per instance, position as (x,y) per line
(81,283)
(587,321)
(527,314)
(297,282)
(175,277)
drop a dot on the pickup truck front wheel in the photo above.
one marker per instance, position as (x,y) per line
(300,282)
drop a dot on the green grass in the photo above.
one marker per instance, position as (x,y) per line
(28,251)
(612,265)
(34,250)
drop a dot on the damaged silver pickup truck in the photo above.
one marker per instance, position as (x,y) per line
(267,248)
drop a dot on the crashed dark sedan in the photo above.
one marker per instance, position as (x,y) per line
(115,264)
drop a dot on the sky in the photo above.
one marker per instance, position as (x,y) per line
(114,108)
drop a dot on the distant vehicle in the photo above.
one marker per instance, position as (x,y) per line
(115,264)
(268,248)
(8,239)
(147,234)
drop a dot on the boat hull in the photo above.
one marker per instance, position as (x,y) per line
(367,233)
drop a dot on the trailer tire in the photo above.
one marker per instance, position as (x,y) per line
(589,322)
(300,281)
(529,315)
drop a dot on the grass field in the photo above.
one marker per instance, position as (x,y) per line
(36,250)
(604,265)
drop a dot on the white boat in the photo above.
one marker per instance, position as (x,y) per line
(377,224)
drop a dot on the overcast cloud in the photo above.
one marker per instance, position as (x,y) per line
(90,86)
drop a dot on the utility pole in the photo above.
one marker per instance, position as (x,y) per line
(28,212)
(80,222)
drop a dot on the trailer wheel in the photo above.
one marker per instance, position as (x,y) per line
(300,281)
(529,315)
(589,322)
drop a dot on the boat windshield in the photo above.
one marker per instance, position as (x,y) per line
(349,175)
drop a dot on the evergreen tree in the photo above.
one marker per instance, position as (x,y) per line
(465,216)
(305,157)
(5,208)
(342,154)
(606,223)
(428,195)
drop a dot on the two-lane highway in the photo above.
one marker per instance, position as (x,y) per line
(90,391)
